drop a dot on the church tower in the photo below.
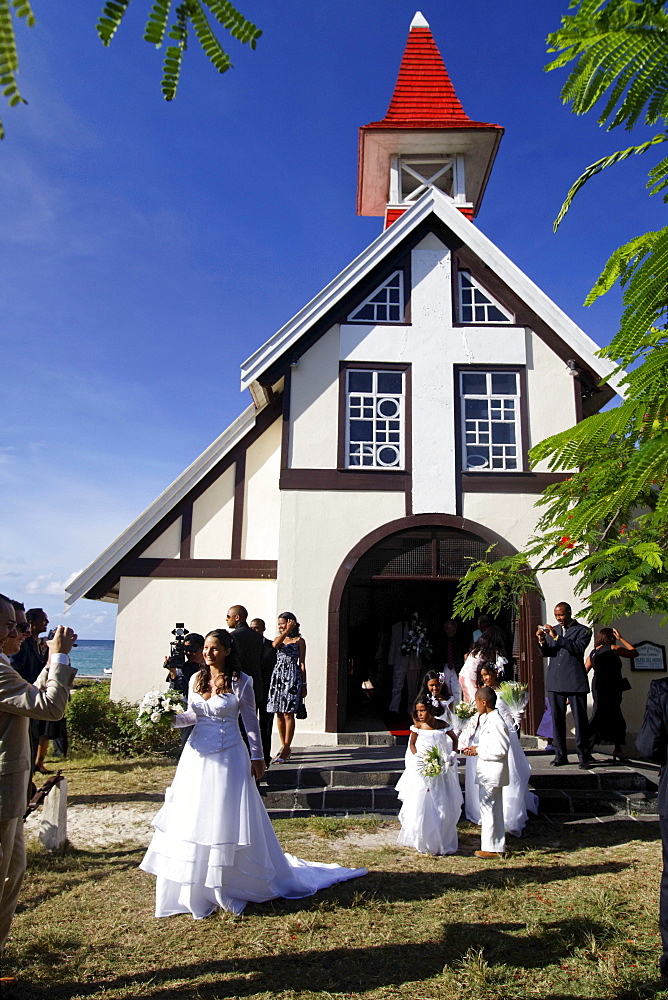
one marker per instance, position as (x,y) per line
(425,140)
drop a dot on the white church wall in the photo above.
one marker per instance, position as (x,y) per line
(434,479)
(314,405)
(551,393)
(511,515)
(213,512)
(318,529)
(148,610)
(167,545)
(263,498)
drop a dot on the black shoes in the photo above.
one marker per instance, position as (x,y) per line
(559,762)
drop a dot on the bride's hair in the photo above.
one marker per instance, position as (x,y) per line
(230,668)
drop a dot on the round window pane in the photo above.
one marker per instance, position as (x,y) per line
(388,456)
(388,407)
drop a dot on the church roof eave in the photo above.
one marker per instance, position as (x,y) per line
(121,546)
(431,202)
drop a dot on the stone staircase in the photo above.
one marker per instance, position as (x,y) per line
(353,779)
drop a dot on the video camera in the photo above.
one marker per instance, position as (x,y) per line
(177,654)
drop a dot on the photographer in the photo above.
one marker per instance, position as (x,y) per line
(20,702)
(185,659)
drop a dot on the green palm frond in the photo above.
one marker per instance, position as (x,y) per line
(620,49)
(645,282)
(609,161)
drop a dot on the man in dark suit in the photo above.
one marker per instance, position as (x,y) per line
(652,742)
(565,644)
(248,645)
(267,665)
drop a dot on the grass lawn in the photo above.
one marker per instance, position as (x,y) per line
(571,912)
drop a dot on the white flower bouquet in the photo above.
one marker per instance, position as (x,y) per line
(461,714)
(432,763)
(516,697)
(157,708)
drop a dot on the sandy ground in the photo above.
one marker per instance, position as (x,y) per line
(106,825)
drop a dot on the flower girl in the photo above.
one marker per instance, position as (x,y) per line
(429,787)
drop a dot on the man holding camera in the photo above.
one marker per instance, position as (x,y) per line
(179,676)
(565,644)
(21,701)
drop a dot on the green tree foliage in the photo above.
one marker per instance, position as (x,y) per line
(608,522)
(167,18)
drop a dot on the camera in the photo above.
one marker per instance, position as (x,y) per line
(51,634)
(177,656)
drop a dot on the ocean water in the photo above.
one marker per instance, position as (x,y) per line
(91,656)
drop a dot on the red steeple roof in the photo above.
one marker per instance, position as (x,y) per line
(424,96)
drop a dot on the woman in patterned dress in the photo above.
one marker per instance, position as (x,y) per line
(287,688)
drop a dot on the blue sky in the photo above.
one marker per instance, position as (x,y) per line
(147,248)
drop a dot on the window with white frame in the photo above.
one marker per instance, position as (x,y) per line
(476,305)
(419,173)
(490,407)
(375,414)
(384,305)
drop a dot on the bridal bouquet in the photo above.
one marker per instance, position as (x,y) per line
(416,638)
(159,707)
(516,697)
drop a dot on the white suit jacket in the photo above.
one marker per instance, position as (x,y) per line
(493,747)
(19,702)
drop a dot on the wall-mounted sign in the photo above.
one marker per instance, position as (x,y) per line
(651,656)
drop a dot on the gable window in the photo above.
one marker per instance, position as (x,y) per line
(490,408)
(476,305)
(384,305)
(375,419)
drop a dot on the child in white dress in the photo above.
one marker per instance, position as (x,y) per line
(435,692)
(431,806)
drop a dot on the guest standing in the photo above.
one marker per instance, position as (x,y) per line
(248,645)
(565,644)
(267,664)
(19,702)
(488,649)
(288,681)
(652,742)
(607,724)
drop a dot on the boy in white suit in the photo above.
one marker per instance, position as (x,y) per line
(492,773)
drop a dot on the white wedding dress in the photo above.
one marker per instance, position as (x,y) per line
(214,845)
(430,807)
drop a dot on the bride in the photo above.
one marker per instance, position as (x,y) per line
(214,845)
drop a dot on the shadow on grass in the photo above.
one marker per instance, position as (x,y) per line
(105,798)
(123,766)
(79,868)
(342,970)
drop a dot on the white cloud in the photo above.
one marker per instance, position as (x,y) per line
(45,584)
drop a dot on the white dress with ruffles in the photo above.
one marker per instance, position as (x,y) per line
(214,845)
(430,807)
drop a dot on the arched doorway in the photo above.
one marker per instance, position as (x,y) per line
(410,564)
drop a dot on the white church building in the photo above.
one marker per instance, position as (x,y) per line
(386,440)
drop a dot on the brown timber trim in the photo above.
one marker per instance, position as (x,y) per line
(264,420)
(186,531)
(285,416)
(510,482)
(347,566)
(343,479)
(203,569)
(238,512)
(531,661)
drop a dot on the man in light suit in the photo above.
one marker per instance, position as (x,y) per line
(491,773)
(652,742)
(20,702)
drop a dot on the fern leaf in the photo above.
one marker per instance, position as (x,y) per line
(110,19)
(156,25)
(214,51)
